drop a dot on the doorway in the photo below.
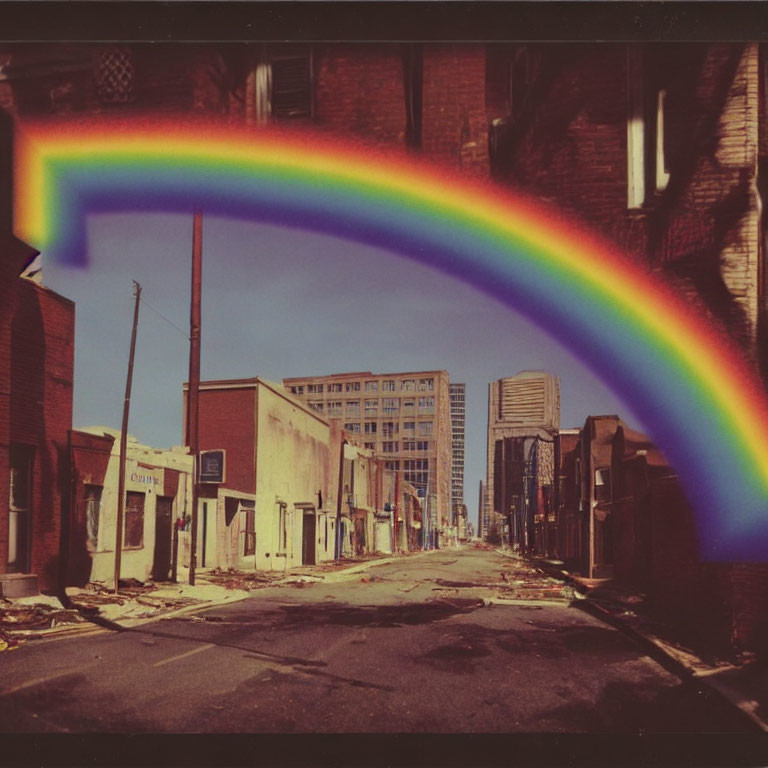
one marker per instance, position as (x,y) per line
(207,534)
(309,535)
(20,509)
(161,565)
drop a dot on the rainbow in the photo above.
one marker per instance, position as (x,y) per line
(698,397)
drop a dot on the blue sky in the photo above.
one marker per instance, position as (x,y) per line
(279,303)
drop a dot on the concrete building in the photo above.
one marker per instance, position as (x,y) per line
(404,418)
(270,513)
(523,418)
(158,488)
(458,431)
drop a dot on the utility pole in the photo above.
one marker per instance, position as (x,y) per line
(124,439)
(193,393)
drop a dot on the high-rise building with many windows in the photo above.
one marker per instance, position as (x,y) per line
(404,417)
(458,422)
(522,410)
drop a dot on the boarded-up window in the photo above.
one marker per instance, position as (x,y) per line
(134,520)
(92,499)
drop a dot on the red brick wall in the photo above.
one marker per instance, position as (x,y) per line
(573,147)
(701,233)
(454,124)
(359,90)
(38,348)
(749,596)
(227,419)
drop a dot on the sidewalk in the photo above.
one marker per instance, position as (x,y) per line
(97,609)
(742,682)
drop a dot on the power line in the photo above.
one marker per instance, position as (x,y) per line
(170,322)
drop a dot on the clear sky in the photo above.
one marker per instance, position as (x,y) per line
(280,303)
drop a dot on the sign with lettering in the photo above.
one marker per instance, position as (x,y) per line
(143,477)
(211,466)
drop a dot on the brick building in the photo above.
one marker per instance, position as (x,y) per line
(37,329)
(272,510)
(659,146)
(403,417)
(656,145)
(523,417)
(622,515)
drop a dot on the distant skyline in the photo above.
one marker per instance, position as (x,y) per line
(283,302)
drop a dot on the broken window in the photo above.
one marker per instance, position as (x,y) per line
(426,404)
(334,408)
(408,385)
(353,408)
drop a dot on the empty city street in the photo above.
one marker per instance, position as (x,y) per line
(414,645)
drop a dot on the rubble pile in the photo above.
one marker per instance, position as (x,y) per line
(246,580)
(527,582)
(20,616)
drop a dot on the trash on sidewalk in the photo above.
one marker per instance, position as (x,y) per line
(45,612)
(8,642)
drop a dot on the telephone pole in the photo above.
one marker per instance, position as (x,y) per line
(124,439)
(193,394)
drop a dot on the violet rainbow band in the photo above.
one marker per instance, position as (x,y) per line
(691,386)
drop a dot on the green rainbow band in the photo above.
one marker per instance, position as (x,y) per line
(700,400)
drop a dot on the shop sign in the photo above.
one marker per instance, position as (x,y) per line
(212,466)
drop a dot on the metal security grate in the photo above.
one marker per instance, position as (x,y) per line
(115,76)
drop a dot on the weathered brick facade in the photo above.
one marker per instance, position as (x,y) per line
(36,375)
(566,141)
(454,127)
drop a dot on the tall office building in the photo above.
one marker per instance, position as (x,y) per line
(458,420)
(404,417)
(523,415)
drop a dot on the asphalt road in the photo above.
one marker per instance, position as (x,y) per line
(388,650)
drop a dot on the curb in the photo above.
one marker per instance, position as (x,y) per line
(108,625)
(659,654)
(654,648)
